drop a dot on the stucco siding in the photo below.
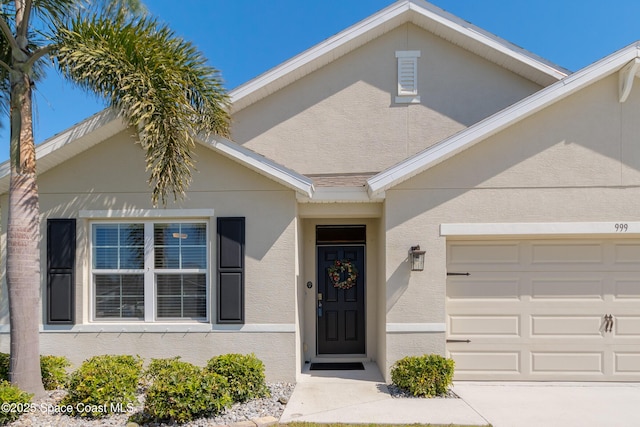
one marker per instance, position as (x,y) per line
(111,177)
(572,162)
(343,117)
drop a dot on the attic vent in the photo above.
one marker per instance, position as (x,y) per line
(407,76)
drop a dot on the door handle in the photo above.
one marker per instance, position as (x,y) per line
(608,323)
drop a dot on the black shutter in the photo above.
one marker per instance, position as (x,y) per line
(61,256)
(230,292)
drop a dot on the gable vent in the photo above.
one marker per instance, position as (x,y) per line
(407,76)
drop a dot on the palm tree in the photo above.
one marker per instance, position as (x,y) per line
(158,83)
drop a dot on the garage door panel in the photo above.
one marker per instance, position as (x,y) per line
(486,361)
(487,254)
(568,253)
(569,326)
(625,253)
(627,325)
(484,325)
(626,362)
(626,289)
(567,362)
(574,288)
(484,288)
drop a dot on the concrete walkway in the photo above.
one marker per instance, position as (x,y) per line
(362,397)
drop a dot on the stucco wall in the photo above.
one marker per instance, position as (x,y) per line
(343,117)
(575,161)
(111,176)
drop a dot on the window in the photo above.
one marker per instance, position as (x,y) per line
(150,271)
(408,76)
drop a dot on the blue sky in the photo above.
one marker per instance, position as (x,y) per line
(244,38)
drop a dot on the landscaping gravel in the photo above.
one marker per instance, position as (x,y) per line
(42,415)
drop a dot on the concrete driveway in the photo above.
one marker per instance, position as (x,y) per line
(362,397)
(507,404)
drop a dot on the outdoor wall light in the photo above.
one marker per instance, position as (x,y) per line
(417,258)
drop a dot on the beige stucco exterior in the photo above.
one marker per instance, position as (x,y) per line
(335,119)
(574,161)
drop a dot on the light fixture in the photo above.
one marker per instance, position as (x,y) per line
(417,258)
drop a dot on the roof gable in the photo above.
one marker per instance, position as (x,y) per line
(621,60)
(418,12)
(105,124)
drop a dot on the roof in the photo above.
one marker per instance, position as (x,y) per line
(105,124)
(418,12)
(624,59)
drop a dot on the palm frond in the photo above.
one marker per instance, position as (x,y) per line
(158,82)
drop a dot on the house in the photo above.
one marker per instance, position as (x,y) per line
(519,182)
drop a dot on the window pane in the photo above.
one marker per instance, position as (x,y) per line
(194,234)
(194,257)
(119,295)
(166,234)
(167,257)
(105,234)
(105,258)
(118,246)
(181,296)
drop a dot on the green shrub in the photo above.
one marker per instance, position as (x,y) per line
(4,366)
(244,373)
(428,375)
(17,399)
(54,371)
(103,384)
(181,392)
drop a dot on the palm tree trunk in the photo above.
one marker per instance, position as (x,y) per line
(23,253)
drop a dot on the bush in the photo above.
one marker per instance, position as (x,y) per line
(181,392)
(102,384)
(52,368)
(428,375)
(244,373)
(16,398)
(54,371)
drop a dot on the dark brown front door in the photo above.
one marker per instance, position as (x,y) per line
(340,312)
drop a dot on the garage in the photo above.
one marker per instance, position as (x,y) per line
(548,310)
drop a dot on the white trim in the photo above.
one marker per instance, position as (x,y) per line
(339,195)
(623,229)
(447,148)
(155,328)
(626,77)
(407,54)
(146,213)
(400,328)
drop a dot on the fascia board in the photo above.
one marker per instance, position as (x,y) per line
(499,121)
(260,164)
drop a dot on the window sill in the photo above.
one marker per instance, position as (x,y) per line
(162,328)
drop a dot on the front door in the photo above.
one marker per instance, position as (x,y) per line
(340,300)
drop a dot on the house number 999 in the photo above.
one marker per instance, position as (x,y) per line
(621,227)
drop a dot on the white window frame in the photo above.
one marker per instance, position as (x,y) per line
(150,272)
(407,77)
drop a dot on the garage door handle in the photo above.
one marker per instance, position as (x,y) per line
(467,341)
(608,323)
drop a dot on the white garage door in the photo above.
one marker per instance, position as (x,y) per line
(539,309)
